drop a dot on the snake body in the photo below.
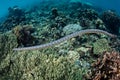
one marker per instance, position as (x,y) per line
(87,31)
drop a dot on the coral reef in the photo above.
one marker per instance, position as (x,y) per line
(112,21)
(65,38)
(115,43)
(48,23)
(24,35)
(89,18)
(7,42)
(90,14)
(42,66)
(71,28)
(107,67)
(15,17)
(101,46)
(54,12)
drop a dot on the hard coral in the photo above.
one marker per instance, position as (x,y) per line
(107,67)
(84,22)
(54,12)
(44,66)
(7,42)
(23,34)
(88,13)
(100,46)
(112,21)
(71,28)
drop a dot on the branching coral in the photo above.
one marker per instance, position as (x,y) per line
(7,42)
(88,31)
(42,66)
(107,67)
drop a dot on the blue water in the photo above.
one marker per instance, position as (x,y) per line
(105,4)
(5,4)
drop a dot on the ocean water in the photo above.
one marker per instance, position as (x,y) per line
(105,4)
(5,4)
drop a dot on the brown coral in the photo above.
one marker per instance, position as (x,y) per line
(107,67)
(24,35)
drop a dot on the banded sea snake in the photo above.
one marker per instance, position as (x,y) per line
(87,31)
